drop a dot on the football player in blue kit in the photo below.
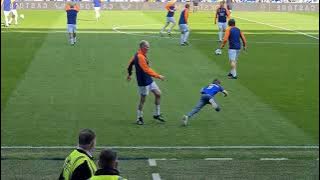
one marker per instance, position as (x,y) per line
(207,97)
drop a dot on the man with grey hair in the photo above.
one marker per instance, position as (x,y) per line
(145,82)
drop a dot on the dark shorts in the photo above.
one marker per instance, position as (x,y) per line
(205,98)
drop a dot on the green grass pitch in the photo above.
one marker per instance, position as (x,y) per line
(50,90)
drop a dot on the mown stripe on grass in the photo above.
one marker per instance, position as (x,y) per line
(279,27)
(89,91)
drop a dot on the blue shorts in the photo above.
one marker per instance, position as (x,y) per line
(205,98)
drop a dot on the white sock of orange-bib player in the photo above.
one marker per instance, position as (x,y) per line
(186,35)
(157,110)
(139,114)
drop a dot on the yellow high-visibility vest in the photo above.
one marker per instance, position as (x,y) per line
(75,159)
(107,177)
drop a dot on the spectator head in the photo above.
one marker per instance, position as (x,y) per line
(231,22)
(108,159)
(187,6)
(144,46)
(87,139)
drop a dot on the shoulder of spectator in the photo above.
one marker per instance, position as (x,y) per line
(82,172)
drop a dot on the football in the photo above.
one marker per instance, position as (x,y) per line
(218,52)
(21,16)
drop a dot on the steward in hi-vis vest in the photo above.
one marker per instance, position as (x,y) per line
(108,163)
(79,165)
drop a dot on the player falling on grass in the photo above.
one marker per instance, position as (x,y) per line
(97,7)
(183,24)
(207,97)
(145,82)
(72,10)
(233,35)
(6,5)
(14,12)
(170,7)
(222,14)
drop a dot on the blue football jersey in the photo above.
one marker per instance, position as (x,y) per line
(7,5)
(212,89)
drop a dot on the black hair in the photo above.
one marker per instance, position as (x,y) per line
(106,158)
(216,81)
(231,22)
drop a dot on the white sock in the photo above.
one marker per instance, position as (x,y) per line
(16,19)
(97,14)
(181,39)
(157,112)
(220,35)
(164,27)
(6,20)
(186,36)
(75,39)
(139,114)
(71,41)
(213,104)
(233,72)
(170,29)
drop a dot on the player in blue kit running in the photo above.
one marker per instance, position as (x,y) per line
(97,7)
(6,5)
(207,97)
(222,14)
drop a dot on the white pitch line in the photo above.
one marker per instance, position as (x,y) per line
(167,147)
(116,29)
(152,162)
(218,159)
(51,99)
(273,159)
(161,159)
(279,27)
(156,176)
